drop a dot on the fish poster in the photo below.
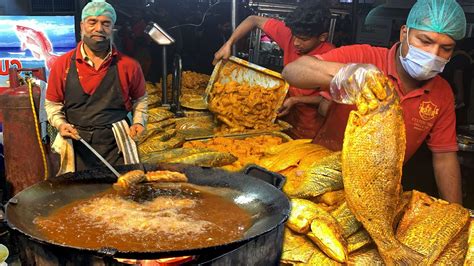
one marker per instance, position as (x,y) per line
(33,42)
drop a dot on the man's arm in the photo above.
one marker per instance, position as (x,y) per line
(139,116)
(250,23)
(310,72)
(448,176)
(57,119)
(292,101)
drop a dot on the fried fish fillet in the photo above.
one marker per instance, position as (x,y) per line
(372,159)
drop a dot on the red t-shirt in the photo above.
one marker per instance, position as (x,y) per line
(303,117)
(130,75)
(428,111)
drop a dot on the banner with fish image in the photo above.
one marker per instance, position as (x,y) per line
(33,42)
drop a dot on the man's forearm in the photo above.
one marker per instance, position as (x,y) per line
(140,110)
(246,26)
(55,113)
(310,72)
(312,100)
(448,176)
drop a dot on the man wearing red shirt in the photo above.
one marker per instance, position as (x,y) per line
(94,86)
(304,32)
(412,65)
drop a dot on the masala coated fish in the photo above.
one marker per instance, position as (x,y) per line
(307,217)
(426,227)
(296,248)
(133,177)
(372,160)
(469,260)
(206,159)
(358,240)
(366,256)
(455,251)
(346,219)
(323,176)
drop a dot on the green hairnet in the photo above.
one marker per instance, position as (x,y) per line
(442,16)
(99,8)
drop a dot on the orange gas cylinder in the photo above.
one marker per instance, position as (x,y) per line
(24,163)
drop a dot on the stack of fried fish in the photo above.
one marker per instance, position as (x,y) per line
(371,221)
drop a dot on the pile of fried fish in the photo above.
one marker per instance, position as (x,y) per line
(349,207)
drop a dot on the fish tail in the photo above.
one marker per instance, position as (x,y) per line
(401,255)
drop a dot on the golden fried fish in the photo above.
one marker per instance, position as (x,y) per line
(307,216)
(323,176)
(346,219)
(426,227)
(469,260)
(372,160)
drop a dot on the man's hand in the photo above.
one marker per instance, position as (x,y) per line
(136,130)
(223,53)
(361,84)
(286,106)
(68,131)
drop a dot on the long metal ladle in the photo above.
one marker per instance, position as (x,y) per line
(100,157)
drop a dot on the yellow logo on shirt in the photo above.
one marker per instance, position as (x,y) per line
(428,110)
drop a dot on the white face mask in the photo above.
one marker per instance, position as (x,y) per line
(421,65)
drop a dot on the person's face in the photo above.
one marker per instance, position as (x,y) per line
(305,44)
(432,42)
(97,28)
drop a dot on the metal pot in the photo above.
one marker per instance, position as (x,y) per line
(262,200)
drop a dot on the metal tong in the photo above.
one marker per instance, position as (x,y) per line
(116,173)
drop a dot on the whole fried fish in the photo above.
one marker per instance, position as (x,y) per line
(426,228)
(325,231)
(372,159)
(469,260)
(323,176)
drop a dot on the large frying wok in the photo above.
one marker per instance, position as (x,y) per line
(262,200)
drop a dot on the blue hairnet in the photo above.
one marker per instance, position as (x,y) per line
(99,8)
(442,16)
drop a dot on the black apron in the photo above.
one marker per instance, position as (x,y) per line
(93,116)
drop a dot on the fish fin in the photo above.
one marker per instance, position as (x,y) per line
(401,255)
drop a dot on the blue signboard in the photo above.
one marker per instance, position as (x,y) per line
(33,41)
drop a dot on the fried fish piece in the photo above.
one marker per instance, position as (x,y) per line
(366,256)
(128,179)
(372,160)
(346,219)
(206,159)
(165,176)
(274,150)
(296,248)
(469,260)
(325,231)
(163,156)
(325,175)
(426,228)
(358,240)
(455,251)
(134,177)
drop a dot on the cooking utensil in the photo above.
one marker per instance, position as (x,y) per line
(268,206)
(111,168)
